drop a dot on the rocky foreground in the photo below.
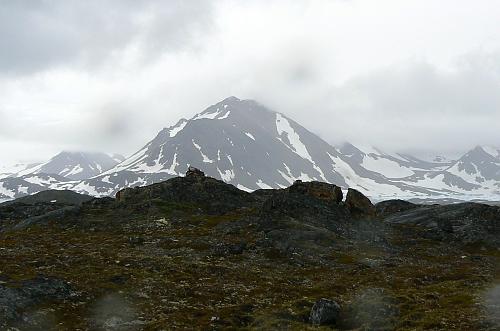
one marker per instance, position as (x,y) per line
(196,253)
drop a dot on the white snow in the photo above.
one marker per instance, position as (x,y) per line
(250,135)
(76,170)
(177,128)
(226,115)
(283,126)
(145,168)
(386,167)
(208,115)
(22,189)
(84,187)
(261,184)
(40,181)
(366,185)
(243,188)
(105,179)
(6,192)
(226,175)
(174,164)
(206,159)
(135,158)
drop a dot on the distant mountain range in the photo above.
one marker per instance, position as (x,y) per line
(252,147)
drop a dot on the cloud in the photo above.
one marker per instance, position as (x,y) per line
(40,35)
(416,76)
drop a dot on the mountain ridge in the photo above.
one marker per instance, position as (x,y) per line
(251,147)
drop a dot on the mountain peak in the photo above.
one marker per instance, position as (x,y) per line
(231,99)
(479,152)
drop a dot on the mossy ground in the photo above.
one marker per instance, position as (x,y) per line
(172,279)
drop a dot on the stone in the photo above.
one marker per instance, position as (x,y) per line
(319,190)
(324,312)
(194,172)
(359,205)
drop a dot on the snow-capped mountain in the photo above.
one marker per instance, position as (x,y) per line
(252,147)
(62,171)
(75,165)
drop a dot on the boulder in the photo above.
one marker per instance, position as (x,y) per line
(194,172)
(319,190)
(359,205)
(19,298)
(324,312)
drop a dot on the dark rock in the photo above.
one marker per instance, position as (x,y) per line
(309,199)
(324,312)
(389,207)
(319,190)
(191,192)
(468,223)
(15,300)
(194,172)
(65,197)
(359,205)
(42,288)
(54,215)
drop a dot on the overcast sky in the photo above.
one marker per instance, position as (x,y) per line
(402,75)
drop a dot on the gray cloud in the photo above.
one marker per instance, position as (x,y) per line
(40,35)
(108,75)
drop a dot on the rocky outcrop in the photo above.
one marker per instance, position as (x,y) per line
(389,207)
(469,223)
(195,190)
(319,190)
(314,199)
(359,205)
(324,312)
(194,172)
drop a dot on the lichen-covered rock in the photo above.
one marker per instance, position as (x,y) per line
(359,205)
(325,312)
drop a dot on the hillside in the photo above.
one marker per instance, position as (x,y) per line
(195,253)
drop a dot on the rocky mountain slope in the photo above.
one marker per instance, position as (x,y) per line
(251,147)
(196,253)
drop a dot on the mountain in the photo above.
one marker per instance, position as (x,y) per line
(251,147)
(75,165)
(62,171)
(8,171)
